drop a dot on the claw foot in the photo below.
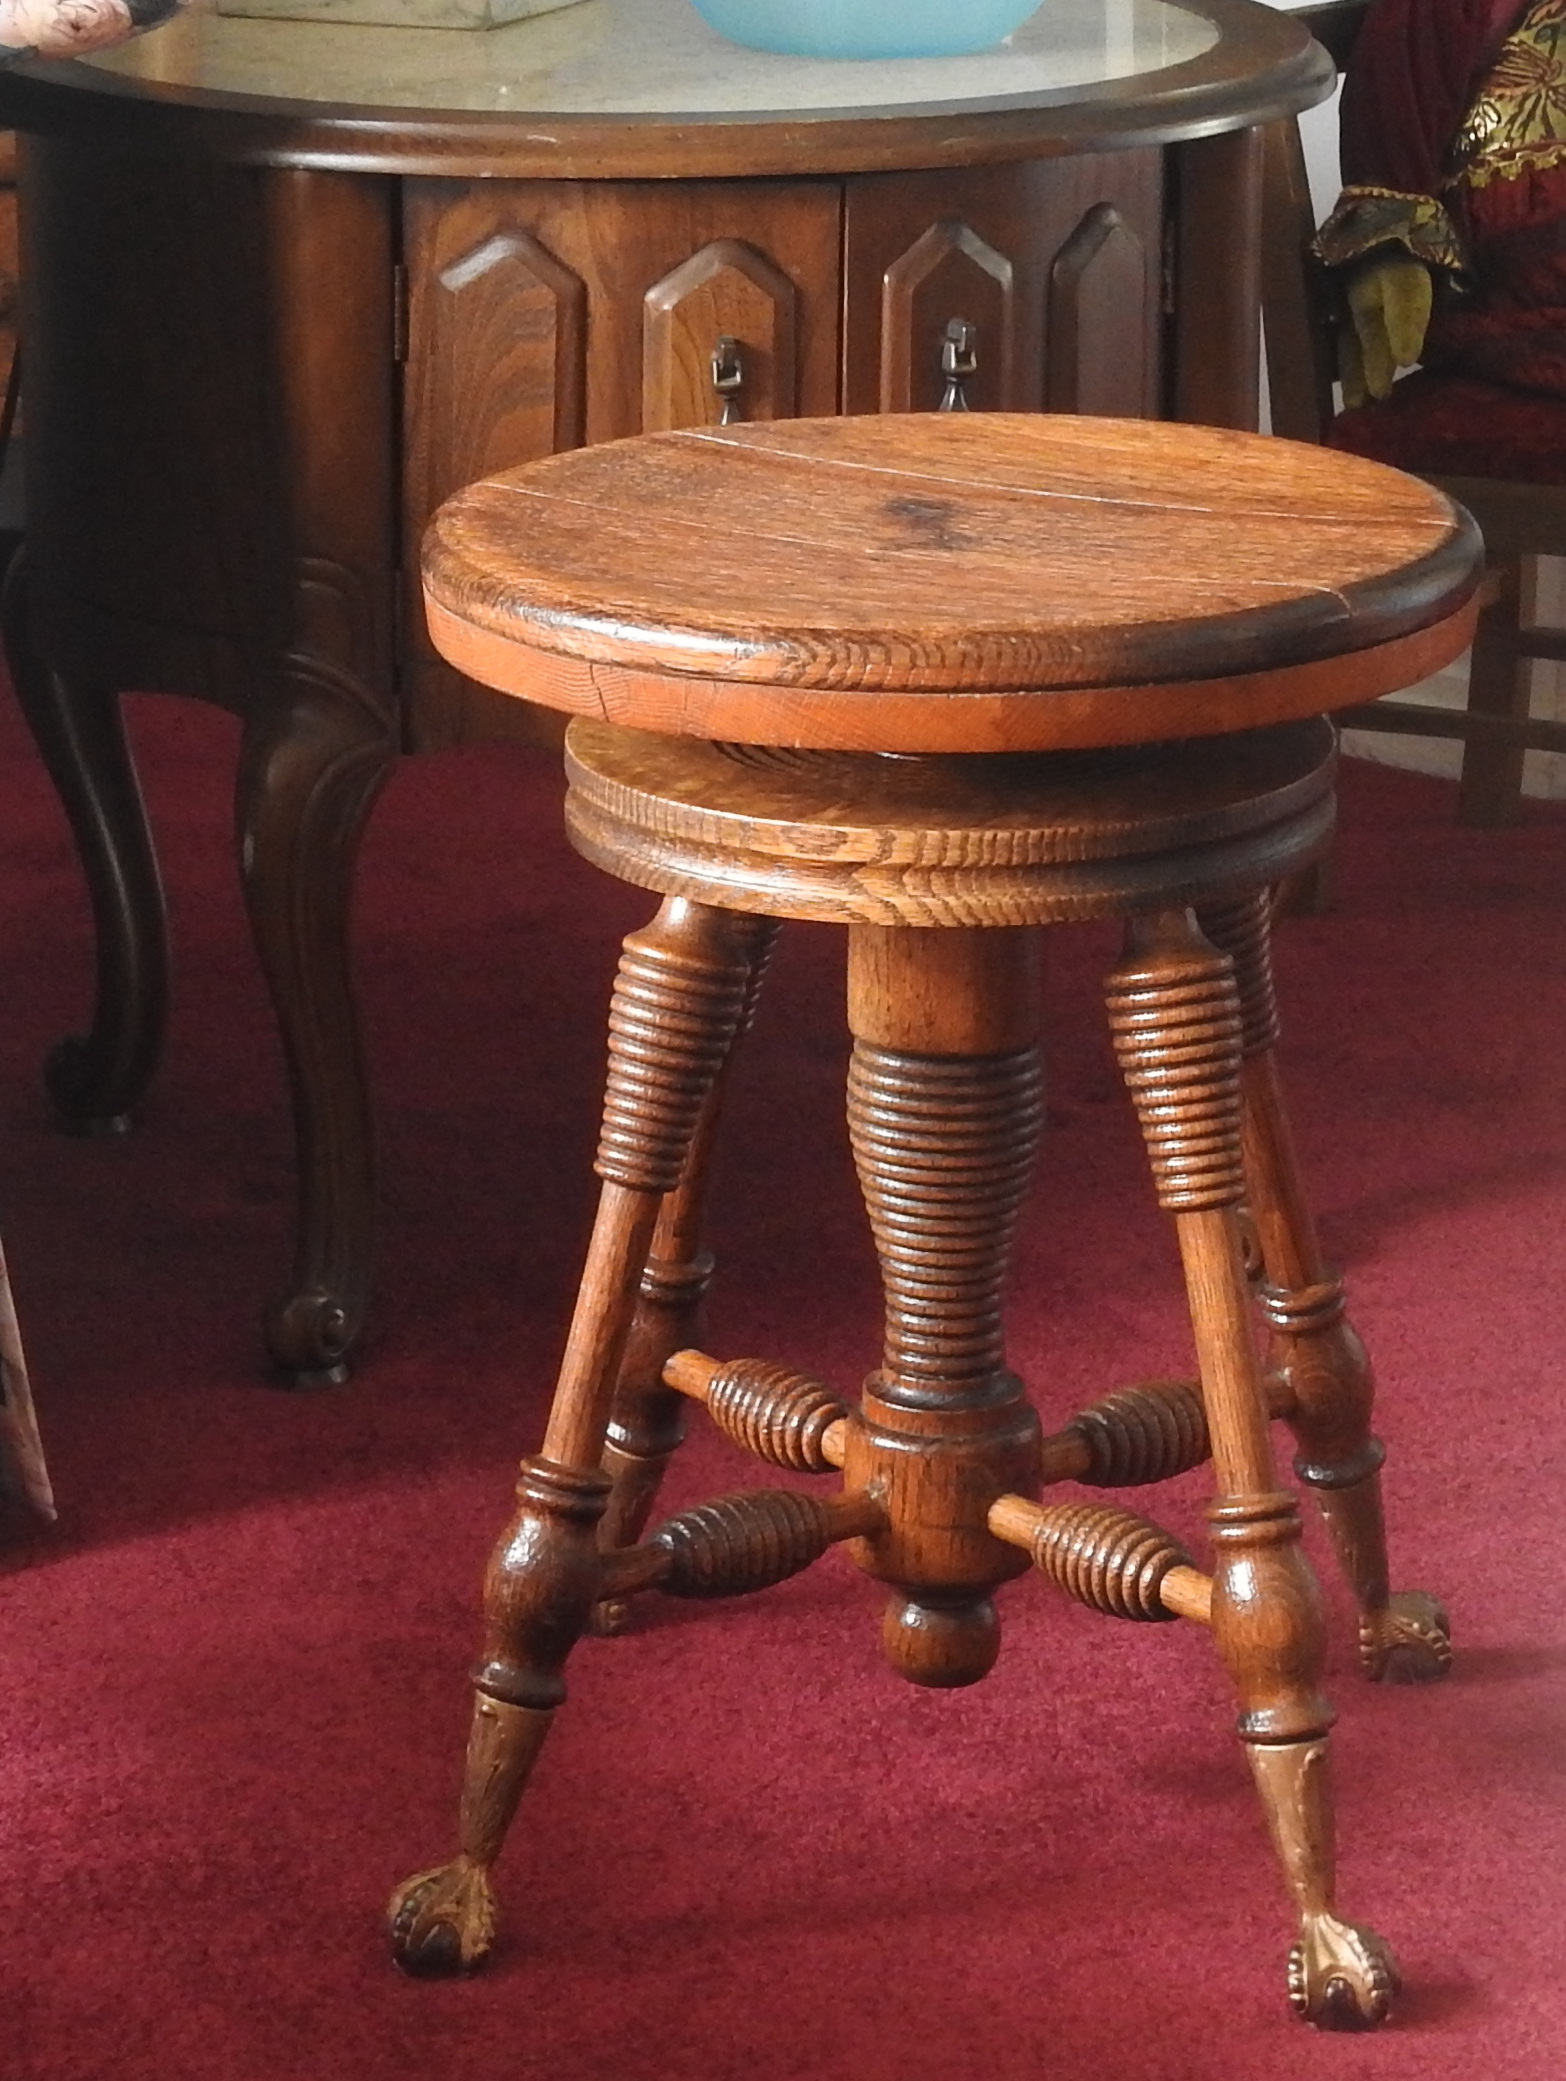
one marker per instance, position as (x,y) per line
(1408,1643)
(442,1922)
(1342,1977)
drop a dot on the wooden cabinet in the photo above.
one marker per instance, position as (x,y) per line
(543,314)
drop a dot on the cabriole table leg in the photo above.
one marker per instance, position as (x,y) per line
(312,763)
(95,1080)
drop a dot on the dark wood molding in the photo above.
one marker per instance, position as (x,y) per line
(1265,65)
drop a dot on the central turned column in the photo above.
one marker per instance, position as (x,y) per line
(945,1107)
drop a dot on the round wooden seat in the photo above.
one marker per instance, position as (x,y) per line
(994,582)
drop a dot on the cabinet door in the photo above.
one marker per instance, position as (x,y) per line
(1013,288)
(543,314)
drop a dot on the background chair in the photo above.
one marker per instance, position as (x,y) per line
(1443,429)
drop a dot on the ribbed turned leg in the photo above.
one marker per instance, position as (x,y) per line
(647,1419)
(945,1105)
(678,998)
(1176,1018)
(1326,1369)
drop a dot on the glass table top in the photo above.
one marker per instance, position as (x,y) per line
(642,57)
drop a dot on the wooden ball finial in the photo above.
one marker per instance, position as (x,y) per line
(941,1646)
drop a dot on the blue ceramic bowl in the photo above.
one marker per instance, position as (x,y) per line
(867,28)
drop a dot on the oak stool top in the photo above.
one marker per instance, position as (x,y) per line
(930,582)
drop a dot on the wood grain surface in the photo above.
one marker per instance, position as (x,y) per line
(949,841)
(931,555)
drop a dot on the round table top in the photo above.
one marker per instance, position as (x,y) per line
(616,88)
(919,582)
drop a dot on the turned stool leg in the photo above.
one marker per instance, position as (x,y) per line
(1175,1014)
(945,1107)
(647,1419)
(1315,1351)
(678,998)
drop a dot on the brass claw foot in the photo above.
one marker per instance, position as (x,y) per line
(1342,1977)
(442,1922)
(1410,1642)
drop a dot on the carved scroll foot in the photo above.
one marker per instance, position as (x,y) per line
(1407,1642)
(1342,1977)
(442,1922)
(307,1336)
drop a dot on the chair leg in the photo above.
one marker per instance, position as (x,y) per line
(1490,792)
(678,999)
(1403,1638)
(647,1419)
(1176,1018)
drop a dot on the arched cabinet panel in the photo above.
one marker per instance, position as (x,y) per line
(1025,257)
(1097,361)
(949,278)
(719,340)
(497,347)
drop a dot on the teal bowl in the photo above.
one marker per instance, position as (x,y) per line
(867,28)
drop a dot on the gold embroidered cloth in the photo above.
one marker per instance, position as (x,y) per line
(1518,122)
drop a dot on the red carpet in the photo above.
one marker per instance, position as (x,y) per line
(235,1696)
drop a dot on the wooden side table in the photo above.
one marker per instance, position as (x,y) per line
(288,285)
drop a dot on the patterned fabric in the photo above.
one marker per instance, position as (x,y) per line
(1507,194)
(1416,68)
(1367,218)
(1519,120)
